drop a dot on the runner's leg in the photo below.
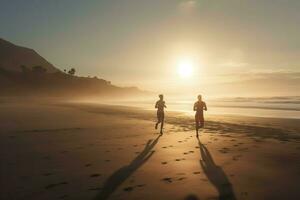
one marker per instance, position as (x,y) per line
(201,121)
(197,122)
(158,119)
(162,122)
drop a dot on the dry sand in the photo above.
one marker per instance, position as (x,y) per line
(84,151)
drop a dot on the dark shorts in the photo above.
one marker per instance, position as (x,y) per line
(160,116)
(199,117)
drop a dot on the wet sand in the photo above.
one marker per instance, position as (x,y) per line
(89,151)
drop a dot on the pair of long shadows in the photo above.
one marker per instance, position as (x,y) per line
(119,176)
(215,174)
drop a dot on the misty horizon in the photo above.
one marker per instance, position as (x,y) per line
(231,46)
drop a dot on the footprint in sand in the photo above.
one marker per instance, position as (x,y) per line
(224,150)
(95,175)
(141,185)
(179,159)
(47,174)
(181,178)
(128,189)
(167,180)
(55,185)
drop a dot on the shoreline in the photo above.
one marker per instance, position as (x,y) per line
(214,108)
(150,114)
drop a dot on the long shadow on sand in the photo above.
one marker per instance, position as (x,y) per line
(216,175)
(119,176)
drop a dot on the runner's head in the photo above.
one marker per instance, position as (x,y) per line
(199,97)
(161,97)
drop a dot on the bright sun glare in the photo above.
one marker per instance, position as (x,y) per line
(185,68)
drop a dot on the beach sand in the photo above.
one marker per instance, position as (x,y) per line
(63,150)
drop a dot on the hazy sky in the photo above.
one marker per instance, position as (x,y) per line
(140,42)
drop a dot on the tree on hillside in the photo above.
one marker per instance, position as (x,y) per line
(72,71)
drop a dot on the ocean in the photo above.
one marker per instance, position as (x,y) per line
(273,107)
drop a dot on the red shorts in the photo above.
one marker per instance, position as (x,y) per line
(160,116)
(199,117)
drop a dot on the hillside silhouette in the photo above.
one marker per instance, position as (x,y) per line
(24,72)
(13,56)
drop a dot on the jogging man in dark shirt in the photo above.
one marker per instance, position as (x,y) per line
(199,106)
(160,105)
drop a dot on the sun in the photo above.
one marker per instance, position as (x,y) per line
(185,68)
